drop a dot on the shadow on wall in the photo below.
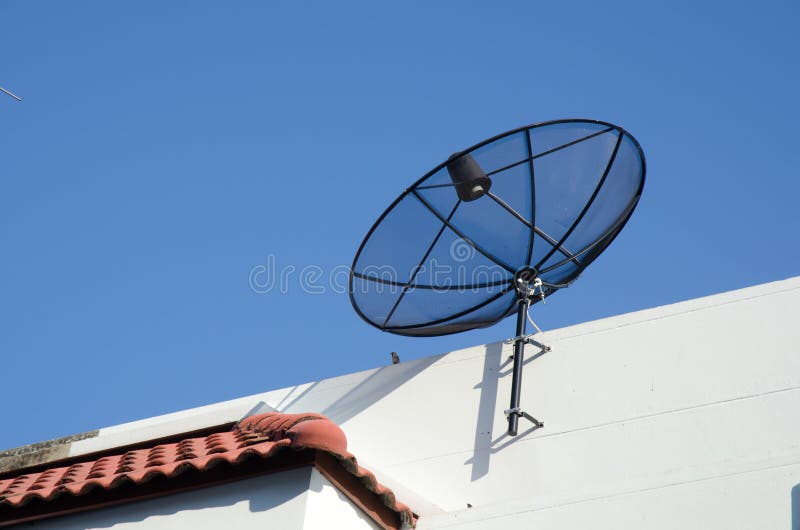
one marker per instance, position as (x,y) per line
(374,387)
(494,368)
(796,507)
(486,407)
(379,384)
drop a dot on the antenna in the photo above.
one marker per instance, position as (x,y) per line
(495,229)
(11,94)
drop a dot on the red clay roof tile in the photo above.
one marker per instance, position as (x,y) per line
(264,435)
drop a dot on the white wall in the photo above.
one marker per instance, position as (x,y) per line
(757,500)
(328,508)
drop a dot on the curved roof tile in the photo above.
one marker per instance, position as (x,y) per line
(263,435)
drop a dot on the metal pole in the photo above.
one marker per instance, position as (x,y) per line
(10,94)
(519,352)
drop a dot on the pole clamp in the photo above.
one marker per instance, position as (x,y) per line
(522,414)
(528,339)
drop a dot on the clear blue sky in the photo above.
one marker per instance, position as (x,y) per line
(165,149)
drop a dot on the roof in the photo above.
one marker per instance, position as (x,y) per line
(260,443)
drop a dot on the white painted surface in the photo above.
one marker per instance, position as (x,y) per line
(759,500)
(328,508)
(683,416)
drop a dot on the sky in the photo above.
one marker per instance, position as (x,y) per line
(165,152)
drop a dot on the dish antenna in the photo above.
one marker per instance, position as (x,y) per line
(496,228)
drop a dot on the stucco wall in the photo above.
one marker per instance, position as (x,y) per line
(329,508)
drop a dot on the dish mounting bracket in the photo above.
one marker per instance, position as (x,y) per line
(527,284)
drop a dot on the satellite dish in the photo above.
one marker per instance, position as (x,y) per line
(496,228)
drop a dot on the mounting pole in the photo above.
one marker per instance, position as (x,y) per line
(527,282)
(519,353)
